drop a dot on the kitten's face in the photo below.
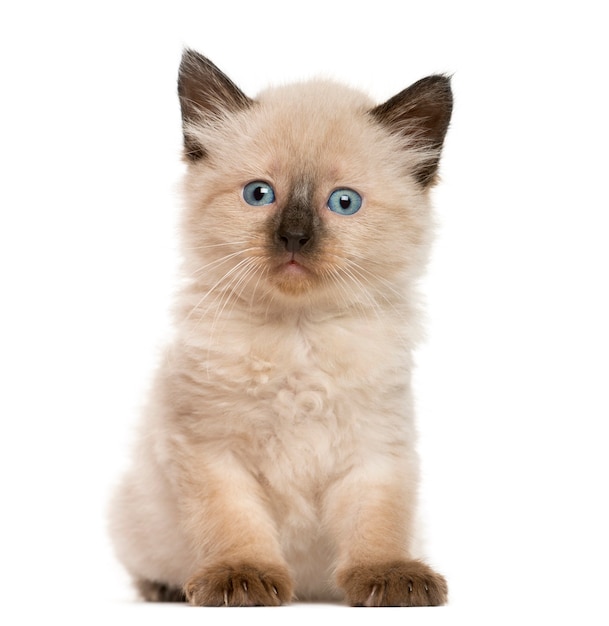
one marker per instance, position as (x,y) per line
(303,194)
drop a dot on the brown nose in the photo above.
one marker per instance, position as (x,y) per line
(293,242)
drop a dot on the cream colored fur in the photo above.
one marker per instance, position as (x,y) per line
(280,427)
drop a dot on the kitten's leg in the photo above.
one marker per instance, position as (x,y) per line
(234,537)
(372,522)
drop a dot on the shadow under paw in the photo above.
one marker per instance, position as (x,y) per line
(240,584)
(398,583)
(159,592)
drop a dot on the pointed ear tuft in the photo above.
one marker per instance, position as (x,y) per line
(422,114)
(204,92)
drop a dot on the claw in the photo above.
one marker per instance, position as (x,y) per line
(225,597)
(275,590)
(244,585)
(371,596)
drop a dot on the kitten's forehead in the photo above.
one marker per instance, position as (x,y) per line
(313,126)
(316,108)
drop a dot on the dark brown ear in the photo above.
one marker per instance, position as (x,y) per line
(421,112)
(204,92)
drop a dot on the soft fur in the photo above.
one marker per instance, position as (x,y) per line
(276,458)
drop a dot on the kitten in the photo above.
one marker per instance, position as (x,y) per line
(277,456)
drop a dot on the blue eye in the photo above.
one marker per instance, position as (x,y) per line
(258,193)
(345,201)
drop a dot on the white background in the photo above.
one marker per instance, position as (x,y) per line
(512,384)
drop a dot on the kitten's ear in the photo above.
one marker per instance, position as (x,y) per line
(204,92)
(421,113)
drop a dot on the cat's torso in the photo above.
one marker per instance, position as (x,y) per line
(298,403)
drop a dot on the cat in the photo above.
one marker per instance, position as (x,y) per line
(276,459)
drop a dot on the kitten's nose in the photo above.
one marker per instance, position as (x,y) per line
(293,242)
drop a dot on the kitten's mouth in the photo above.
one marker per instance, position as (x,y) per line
(292,277)
(295,268)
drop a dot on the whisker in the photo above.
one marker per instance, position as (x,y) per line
(239,279)
(363,273)
(216,245)
(215,285)
(364,270)
(335,279)
(370,300)
(222,260)
(261,274)
(376,277)
(348,275)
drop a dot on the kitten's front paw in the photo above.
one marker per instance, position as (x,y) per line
(241,584)
(400,583)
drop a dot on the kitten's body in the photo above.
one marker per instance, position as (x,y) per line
(277,454)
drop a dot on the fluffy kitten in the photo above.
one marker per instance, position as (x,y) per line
(277,455)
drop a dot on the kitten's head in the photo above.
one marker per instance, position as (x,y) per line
(309,193)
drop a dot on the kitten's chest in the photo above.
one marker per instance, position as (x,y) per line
(300,381)
(313,392)
(323,357)
(303,428)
